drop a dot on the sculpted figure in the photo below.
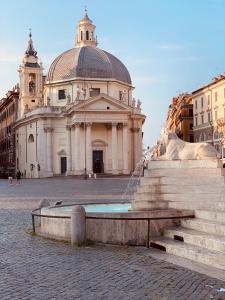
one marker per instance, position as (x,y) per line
(176,148)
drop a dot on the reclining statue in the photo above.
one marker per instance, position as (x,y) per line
(176,148)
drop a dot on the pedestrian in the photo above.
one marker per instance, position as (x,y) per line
(18,177)
(10,179)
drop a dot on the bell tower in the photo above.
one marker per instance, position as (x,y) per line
(30,73)
(86,32)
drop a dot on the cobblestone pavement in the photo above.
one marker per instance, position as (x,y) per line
(35,268)
(64,187)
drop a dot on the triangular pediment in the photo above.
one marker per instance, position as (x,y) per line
(102,102)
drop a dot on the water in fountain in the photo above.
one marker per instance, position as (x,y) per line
(137,173)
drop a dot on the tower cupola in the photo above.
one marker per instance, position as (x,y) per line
(86,32)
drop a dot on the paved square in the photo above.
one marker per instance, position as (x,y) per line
(32,267)
(37,268)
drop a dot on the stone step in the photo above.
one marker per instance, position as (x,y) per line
(198,238)
(184,172)
(204,226)
(213,215)
(148,205)
(192,252)
(185,180)
(198,205)
(181,188)
(185,164)
(185,197)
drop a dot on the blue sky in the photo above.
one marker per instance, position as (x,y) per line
(169,46)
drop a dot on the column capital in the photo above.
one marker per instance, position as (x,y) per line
(76,124)
(119,126)
(124,124)
(88,124)
(68,127)
(48,129)
(114,124)
(135,129)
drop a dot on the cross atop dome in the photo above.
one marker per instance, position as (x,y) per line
(86,32)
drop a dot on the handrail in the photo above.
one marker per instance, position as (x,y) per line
(148,219)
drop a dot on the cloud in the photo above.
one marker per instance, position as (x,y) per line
(9,57)
(171,46)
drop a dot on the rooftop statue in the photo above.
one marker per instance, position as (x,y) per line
(177,149)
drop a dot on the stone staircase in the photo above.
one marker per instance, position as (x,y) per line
(196,185)
(201,239)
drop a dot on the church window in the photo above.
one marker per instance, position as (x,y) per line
(215,96)
(31,138)
(81,35)
(202,117)
(120,95)
(87,35)
(94,92)
(61,94)
(215,114)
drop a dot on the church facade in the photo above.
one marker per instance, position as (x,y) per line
(81,117)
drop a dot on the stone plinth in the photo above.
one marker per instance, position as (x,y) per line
(188,184)
(177,183)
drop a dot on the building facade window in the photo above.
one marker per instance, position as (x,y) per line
(196,104)
(215,96)
(202,119)
(202,101)
(94,92)
(215,114)
(208,99)
(196,121)
(87,35)
(31,138)
(61,94)
(120,95)
(209,116)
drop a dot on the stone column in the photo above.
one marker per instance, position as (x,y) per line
(48,131)
(68,149)
(125,150)
(137,149)
(77,147)
(114,149)
(88,148)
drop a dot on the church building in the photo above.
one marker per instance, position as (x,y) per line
(81,117)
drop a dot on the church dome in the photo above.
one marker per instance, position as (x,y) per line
(87,62)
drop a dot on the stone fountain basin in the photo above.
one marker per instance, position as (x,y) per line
(119,232)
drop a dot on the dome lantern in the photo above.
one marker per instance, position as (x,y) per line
(86,32)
